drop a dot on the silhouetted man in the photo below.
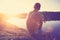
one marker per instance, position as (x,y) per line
(35,20)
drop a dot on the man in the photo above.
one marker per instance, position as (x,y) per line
(35,20)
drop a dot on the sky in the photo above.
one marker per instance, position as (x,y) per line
(24,6)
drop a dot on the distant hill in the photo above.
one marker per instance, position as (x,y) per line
(51,16)
(47,15)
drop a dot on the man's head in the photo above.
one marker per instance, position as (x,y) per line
(37,6)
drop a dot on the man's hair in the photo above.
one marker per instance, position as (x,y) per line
(37,6)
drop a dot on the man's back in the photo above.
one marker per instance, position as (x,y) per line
(34,21)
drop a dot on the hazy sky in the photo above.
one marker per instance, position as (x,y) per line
(21,6)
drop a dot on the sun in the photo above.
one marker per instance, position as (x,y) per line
(10,20)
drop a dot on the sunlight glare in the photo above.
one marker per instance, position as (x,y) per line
(20,23)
